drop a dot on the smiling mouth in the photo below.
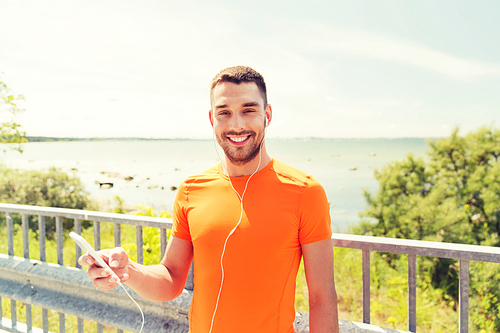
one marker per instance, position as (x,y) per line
(239,139)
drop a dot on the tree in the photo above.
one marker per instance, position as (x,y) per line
(10,131)
(46,188)
(452,195)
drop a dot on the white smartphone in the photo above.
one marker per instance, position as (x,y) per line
(87,248)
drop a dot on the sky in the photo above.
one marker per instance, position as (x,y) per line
(333,69)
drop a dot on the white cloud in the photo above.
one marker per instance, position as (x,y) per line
(315,37)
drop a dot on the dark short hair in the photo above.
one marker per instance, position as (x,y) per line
(238,74)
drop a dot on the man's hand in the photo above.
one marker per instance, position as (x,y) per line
(157,283)
(117,259)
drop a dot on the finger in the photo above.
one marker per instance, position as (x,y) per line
(118,258)
(105,283)
(95,272)
(86,260)
(124,277)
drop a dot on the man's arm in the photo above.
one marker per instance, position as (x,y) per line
(158,283)
(318,264)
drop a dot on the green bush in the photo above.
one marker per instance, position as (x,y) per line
(48,188)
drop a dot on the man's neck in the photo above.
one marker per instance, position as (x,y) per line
(247,169)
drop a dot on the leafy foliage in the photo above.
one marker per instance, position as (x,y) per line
(10,131)
(50,188)
(453,195)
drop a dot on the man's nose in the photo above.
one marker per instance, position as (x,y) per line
(237,123)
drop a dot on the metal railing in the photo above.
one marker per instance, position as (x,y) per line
(414,248)
(75,283)
(24,278)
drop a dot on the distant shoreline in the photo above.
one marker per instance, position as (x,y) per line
(54,139)
(63,139)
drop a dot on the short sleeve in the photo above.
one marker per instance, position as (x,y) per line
(314,213)
(180,228)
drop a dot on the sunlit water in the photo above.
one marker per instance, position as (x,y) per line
(343,166)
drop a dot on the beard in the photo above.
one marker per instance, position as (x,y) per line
(241,155)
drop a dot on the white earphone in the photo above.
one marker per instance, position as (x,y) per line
(241,214)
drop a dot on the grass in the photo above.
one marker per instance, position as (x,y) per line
(389,290)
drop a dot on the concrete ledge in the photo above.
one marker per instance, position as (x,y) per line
(69,290)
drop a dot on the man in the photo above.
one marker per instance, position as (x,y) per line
(245,223)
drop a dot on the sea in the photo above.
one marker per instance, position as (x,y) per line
(147,172)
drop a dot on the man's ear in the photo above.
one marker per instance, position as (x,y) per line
(211,118)
(269,114)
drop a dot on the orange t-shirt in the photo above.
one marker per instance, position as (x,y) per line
(282,209)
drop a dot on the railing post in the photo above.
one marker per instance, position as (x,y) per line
(45,320)
(62,323)
(163,241)
(59,240)
(97,235)
(29,318)
(10,234)
(118,236)
(189,285)
(80,325)
(412,292)
(43,258)
(41,237)
(140,244)
(366,286)
(463,299)
(26,237)
(78,251)
(13,313)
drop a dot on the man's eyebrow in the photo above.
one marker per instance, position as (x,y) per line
(221,106)
(250,104)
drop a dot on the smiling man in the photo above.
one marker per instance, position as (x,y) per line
(246,223)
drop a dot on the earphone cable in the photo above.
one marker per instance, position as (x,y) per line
(234,229)
(133,300)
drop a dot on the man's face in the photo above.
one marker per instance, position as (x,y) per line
(238,117)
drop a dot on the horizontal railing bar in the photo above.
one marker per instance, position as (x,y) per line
(144,221)
(418,247)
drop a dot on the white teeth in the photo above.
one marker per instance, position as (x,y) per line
(239,139)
